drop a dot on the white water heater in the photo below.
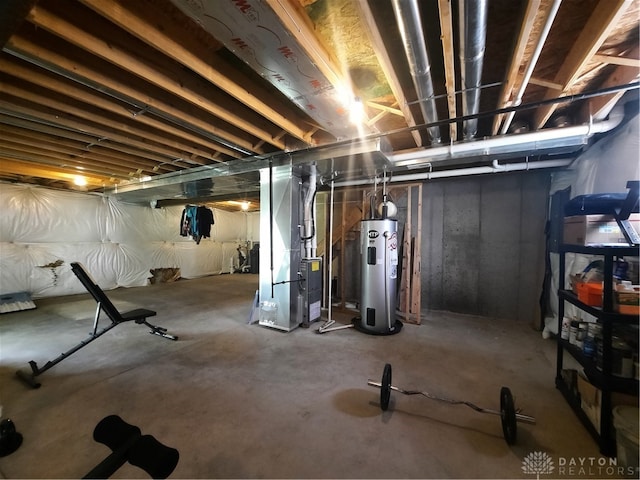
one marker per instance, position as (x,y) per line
(379,274)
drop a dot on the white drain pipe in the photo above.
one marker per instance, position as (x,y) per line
(309,230)
(463,172)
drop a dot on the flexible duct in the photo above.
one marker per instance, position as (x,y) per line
(407,15)
(473,32)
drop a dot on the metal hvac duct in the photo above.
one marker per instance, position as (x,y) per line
(473,33)
(565,139)
(407,14)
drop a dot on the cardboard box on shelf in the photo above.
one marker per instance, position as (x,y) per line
(596,229)
(627,299)
(591,400)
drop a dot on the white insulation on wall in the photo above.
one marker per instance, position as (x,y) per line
(604,168)
(43,230)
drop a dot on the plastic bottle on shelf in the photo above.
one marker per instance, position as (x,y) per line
(566,323)
(573,331)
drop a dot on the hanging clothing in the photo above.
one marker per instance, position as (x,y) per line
(204,219)
(196,222)
(188,220)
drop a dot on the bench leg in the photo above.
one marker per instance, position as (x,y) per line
(30,378)
(155,330)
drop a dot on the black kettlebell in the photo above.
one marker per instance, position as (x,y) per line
(10,439)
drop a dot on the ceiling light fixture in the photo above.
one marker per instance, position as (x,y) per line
(244,205)
(80,181)
(356,111)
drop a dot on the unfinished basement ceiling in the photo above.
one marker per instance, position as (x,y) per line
(141,98)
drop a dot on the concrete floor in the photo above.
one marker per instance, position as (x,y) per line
(246,401)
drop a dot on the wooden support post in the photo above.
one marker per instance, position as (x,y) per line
(407,244)
(416,277)
(404,274)
(343,232)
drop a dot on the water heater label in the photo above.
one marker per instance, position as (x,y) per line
(393,255)
(393,248)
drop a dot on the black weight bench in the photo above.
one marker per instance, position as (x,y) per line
(138,315)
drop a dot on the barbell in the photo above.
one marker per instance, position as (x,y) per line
(509,416)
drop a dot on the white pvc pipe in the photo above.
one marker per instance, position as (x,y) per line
(461,172)
(330,259)
(309,234)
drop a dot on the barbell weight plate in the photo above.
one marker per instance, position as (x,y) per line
(385,389)
(508,416)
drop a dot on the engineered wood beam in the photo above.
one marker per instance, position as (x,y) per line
(84,72)
(130,21)
(79,150)
(599,107)
(384,60)
(628,61)
(68,88)
(541,82)
(12,14)
(100,134)
(94,115)
(120,58)
(446,27)
(385,108)
(600,24)
(46,158)
(104,145)
(54,173)
(524,37)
